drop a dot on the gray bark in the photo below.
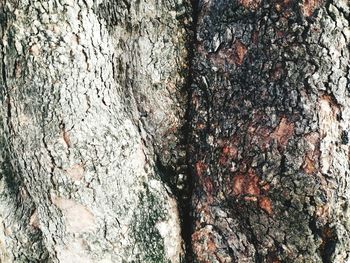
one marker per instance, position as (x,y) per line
(91,94)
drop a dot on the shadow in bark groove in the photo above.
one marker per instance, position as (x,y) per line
(171,176)
(186,205)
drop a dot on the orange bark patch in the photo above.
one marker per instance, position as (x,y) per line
(283,132)
(200,168)
(240,52)
(228,56)
(204,237)
(252,184)
(250,4)
(309,166)
(228,152)
(309,6)
(208,185)
(246,185)
(265,187)
(249,185)
(265,204)
(282,5)
(206,244)
(238,185)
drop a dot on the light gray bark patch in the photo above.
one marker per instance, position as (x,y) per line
(77,88)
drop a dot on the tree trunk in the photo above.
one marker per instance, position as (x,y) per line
(270,114)
(92,93)
(160,131)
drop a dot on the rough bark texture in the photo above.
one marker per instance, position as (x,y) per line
(92,93)
(270,111)
(97,132)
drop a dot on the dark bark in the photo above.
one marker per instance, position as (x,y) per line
(269,117)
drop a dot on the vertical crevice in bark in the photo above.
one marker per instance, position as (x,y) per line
(184,194)
(328,245)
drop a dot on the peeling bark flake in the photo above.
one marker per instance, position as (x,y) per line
(283,132)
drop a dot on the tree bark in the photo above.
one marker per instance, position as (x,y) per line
(270,119)
(170,131)
(92,93)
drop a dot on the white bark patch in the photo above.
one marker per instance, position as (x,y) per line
(35,50)
(106,260)
(34,220)
(170,229)
(78,218)
(76,172)
(76,71)
(73,253)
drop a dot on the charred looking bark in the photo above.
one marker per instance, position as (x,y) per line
(185,204)
(269,131)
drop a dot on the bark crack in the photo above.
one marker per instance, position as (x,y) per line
(186,200)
